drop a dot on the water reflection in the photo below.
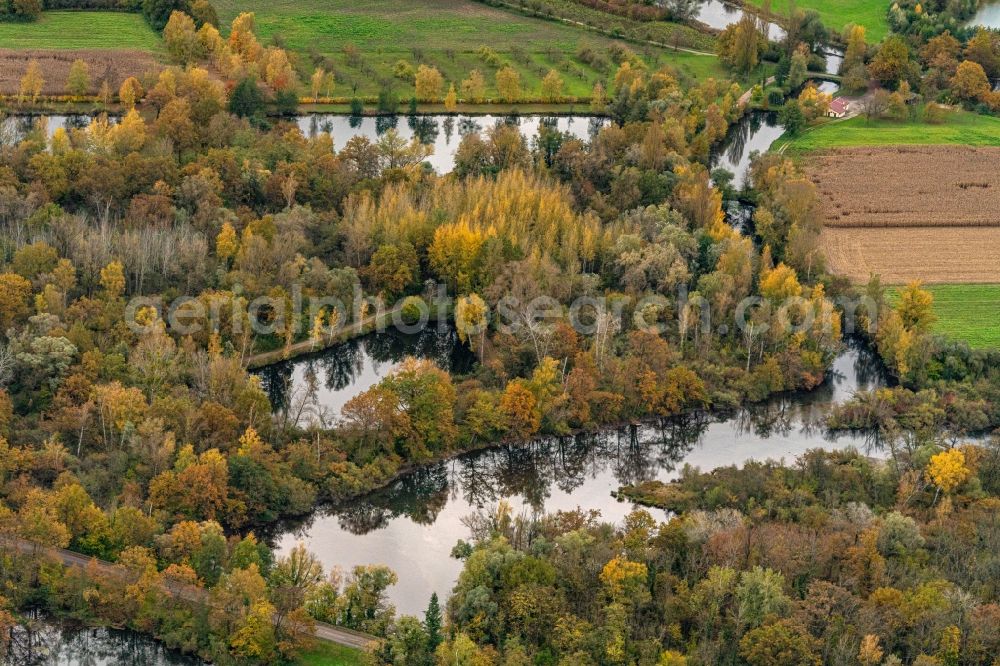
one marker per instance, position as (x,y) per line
(428,129)
(718,15)
(412,525)
(754,132)
(15,128)
(41,641)
(319,385)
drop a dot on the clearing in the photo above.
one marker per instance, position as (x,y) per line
(447,34)
(958,127)
(967,312)
(910,212)
(81,30)
(836,14)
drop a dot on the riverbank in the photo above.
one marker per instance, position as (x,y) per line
(427,503)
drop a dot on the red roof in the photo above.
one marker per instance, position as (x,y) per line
(839,105)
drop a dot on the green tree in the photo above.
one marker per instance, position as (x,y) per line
(432,623)
(792,117)
(78,81)
(157,12)
(246,100)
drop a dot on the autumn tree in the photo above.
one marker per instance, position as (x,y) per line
(14,294)
(970,82)
(552,86)
(916,307)
(509,84)
(31,83)
(857,47)
(474,87)
(393,269)
(130,92)
(947,470)
(181,39)
(471,320)
(451,99)
(892,62)
(316,82)
(428,82)
(519,407)
(741,43)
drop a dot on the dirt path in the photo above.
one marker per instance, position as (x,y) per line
(322,631)
(354,330)
(745,97)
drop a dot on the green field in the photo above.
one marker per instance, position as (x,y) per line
(81,30)
(444,33)
(836,14)
(959,127)
(328,654)
(966,312)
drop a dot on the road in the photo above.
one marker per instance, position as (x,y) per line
(322,631)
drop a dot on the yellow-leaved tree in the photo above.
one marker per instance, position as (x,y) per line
(947,470)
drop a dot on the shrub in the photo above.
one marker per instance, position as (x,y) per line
(412,309)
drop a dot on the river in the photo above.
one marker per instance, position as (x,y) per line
(442,132)
(988,16)
(46,642)
(716,14)
(412,525)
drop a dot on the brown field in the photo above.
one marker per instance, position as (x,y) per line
(937,256)
(911,212)
(115,65)
(908,186)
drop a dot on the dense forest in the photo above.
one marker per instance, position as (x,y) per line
(144,261)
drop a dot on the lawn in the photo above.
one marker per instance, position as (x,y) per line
(328,654)
(836,14)
(81,30)
(967,312)
(445,33)
(959,127)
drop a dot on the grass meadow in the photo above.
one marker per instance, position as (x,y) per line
(447,34)
(967,312)
(67,30)
(836,14)
(328,654)
(958,127)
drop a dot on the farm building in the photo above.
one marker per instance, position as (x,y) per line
(839,107)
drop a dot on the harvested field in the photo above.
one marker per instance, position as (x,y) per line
(908,186)
(111,64)
(935,255)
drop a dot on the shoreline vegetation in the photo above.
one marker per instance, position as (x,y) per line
(130,437)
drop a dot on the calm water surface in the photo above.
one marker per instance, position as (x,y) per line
(988,16)
(442,132)
(412,525)
(718,15)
